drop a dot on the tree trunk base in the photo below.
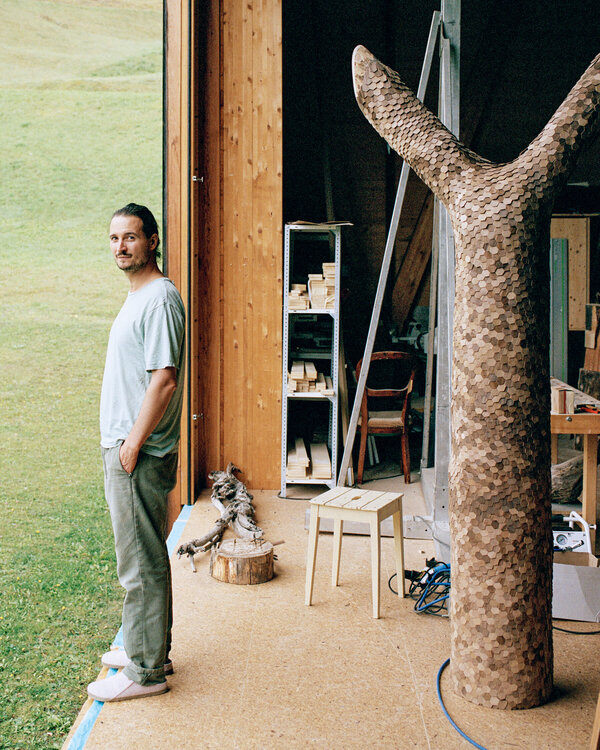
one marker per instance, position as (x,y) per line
(242,562)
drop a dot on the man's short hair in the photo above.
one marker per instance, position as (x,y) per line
(149,225)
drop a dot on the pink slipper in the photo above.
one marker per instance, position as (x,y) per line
(118,687)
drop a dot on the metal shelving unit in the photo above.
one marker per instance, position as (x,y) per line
(306,246)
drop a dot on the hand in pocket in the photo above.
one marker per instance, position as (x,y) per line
(128,457)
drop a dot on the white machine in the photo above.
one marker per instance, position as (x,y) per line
(572,538)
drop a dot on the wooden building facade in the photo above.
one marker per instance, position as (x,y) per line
(223,171)
(261,128)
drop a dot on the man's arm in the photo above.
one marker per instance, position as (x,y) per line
(163,384)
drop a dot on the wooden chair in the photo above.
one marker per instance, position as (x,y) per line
(395,422)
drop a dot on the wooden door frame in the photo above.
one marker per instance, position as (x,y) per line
(176,211)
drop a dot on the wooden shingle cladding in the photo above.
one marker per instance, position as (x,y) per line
(231,269)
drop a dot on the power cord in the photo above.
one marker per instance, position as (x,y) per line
(441,700)
(577,632)
(445,664)
(392,589)
(450,719)
(430,589)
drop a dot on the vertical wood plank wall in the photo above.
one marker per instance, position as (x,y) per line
(575,229)
(252,238)
(236,239)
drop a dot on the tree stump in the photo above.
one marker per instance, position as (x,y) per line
(242,562)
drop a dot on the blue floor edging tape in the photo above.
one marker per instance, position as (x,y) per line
(178,527)
(80,737)
(84,729)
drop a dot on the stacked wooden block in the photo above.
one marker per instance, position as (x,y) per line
(298,298)
(298,461)
(304,378)
(300,466)
(317,291)
(329,277)
(563,400)
(321,288)
(592,338)
(321,463)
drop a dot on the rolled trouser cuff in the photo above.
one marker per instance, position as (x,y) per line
(144,676)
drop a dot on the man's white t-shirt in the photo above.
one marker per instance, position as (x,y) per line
(147,334)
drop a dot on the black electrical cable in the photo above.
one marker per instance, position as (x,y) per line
(555,627)
(577,632)
(428,589)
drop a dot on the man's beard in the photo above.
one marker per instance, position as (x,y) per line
(135,267)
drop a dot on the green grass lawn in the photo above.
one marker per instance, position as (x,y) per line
(81,134)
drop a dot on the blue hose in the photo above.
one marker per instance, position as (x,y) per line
(439,694)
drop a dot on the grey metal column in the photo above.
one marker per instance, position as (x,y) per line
(449,115)
(430,353)
(559,309)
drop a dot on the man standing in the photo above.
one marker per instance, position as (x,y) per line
(140,409)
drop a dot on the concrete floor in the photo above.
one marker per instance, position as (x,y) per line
(256,668)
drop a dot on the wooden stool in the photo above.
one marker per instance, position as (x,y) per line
(347,504)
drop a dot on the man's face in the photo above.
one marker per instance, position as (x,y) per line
(130,247)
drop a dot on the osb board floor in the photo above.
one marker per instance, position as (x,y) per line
(256,668)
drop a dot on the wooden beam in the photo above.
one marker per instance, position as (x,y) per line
(264,410)
(237,227)
(414,263)
(207,246)
(176,183)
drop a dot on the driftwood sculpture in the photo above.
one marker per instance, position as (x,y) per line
(499,504)
(234,502)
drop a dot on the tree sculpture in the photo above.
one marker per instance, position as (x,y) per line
(499,504)
(232,499)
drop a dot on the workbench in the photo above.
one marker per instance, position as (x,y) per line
(588,426)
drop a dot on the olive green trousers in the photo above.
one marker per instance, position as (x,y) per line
(138,511)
